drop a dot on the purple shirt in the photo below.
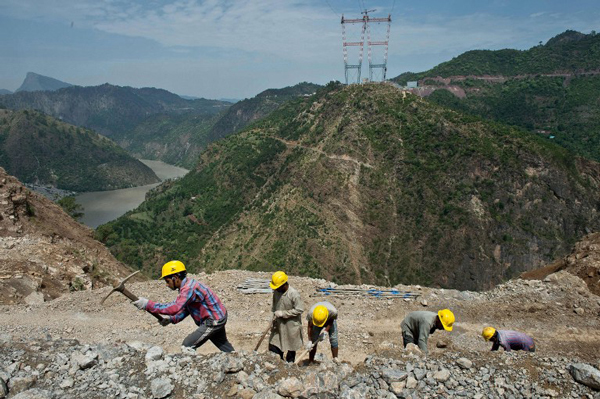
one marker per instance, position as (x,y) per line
(514,340)
(194,298)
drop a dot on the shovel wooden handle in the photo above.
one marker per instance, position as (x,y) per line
(264,334)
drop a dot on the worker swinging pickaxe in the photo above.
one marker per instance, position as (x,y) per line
(121,288)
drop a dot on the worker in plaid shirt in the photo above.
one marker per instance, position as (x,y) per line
(509,340)
(194,299)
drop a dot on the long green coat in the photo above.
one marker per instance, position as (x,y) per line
(287,331)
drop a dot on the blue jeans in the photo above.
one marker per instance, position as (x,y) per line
(333,334)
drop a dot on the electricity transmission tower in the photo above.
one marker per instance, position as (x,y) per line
(352,72)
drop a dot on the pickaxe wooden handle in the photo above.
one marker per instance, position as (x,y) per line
(265,334)
(121,288)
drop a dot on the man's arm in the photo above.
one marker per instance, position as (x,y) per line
(298,307)
(423,336)
(180,316)
(496,345)
(174,307)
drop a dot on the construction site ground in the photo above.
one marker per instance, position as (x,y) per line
(561,314)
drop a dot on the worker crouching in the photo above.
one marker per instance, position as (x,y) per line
(195,299)
(322,318)
(508,339)
(418,325)
(286,334)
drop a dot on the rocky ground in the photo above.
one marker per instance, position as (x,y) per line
(44,253)
(72,347)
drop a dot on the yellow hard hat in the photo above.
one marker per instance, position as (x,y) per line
(320,315)
(447,318)
(278,279)
(488,333)
(172,267)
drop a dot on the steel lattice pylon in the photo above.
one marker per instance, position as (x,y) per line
(383,66)
(364,21)
(360,45)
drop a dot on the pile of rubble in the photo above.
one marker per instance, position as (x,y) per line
(52,369)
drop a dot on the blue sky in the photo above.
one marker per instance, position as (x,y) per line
(238,48)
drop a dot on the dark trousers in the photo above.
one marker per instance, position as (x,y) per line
(408,339)
(210,330)
(290,357)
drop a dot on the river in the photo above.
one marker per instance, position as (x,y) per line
(100,207)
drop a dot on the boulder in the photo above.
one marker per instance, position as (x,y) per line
(267,394)
(3,389)
(393,375)
(413,349)
(84,361)
(33,394)
(161,388)
(464,363)
(35,298)
(290,387)
(586,375)
(442,375)
(20,384)
(154,353)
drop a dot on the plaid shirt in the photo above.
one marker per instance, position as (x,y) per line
(194,298)
(514,340)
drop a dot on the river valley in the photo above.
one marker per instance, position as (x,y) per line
(103,206)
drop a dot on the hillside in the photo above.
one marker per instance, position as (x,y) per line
(109,109)
(583,262)
(42,150)
(35,82)
(551,90)
(569,51)
(45,253)
(369,184)
(180,139)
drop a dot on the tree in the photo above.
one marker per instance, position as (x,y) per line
(71,207)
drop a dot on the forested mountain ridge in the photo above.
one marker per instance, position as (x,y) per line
(39,149)
(368,184)
(552,90)
(569,51)
(180,139)
(109,109)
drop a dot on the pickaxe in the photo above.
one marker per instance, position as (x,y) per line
(121,288)
(264,334)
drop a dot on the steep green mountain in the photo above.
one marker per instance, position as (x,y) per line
(180,139)
(39,149)
(368,184)
(565,109)
(108,109)
(35,82)
(570,51)
(553,90)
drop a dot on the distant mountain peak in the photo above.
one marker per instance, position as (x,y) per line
(36,82)
(567,36)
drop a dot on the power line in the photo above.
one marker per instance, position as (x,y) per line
(336,13)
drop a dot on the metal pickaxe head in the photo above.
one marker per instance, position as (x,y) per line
(121,288)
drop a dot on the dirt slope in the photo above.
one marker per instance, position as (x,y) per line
(44,253)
